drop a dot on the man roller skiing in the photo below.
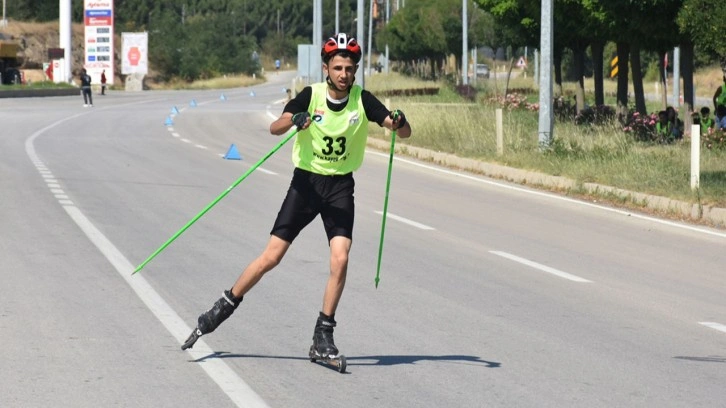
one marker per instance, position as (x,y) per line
(332,121)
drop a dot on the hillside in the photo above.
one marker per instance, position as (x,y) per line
(36,38)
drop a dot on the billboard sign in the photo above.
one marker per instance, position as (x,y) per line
(98,54)
(134,53)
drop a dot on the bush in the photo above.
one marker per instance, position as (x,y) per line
(514,101)
(597,115)
(466,91)
(714,139)
(641,127)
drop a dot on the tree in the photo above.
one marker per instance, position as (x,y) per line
(417,33)
(518,20)
(703,22)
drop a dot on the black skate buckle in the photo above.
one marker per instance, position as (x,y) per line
(189,342)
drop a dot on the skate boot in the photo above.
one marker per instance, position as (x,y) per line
(323,337)
(323,347)
(212,318)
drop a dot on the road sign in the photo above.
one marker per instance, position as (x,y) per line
(614,67)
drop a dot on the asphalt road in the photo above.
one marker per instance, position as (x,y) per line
(491,295)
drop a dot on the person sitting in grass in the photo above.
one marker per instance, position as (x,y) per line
(707,123)
(676,124)
(721,114)
(663,128)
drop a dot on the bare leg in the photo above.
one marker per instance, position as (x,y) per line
(339,250)
(270,258)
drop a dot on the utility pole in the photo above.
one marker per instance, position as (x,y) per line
(370,38)
(337,16)
(318,34)
(361,38)
(388,17)
(65,38)
(546,114)
(677,77)
(464,41)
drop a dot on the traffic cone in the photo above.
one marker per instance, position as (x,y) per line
(168,121)
(232,153)
(174,111)
(193,103)
(222,97)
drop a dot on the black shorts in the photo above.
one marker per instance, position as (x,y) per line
(311,194)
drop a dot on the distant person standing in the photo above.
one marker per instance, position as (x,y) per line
(86,89)
(719,98)
(103,82)
(277,65)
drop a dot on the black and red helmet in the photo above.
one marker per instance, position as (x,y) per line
(338,43)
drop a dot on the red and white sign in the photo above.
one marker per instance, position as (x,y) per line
(134,53)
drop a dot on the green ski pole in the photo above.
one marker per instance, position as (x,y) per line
(216,200)
(385,206)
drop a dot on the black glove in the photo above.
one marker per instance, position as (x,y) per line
(399,119)
(299,119)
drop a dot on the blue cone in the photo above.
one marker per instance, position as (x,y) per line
(174,111)
(222,97)
(193,103)
(233,153)
(168,121)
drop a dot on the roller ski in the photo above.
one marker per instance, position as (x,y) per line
(323,348)
(212,318)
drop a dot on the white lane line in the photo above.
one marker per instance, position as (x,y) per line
(175,134)
(543,268)
(200,146)
(219,371)
(406,221)
(550,195)
(716,326)
(231,384)
(185,140)
(266,171)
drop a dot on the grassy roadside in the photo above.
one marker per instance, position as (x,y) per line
(225,82)
(598,154)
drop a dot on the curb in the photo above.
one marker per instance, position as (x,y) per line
(693,212)
(35,93)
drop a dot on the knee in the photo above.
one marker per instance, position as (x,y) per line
(269,260)
(339,261)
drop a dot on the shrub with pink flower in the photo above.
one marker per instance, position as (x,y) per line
(642,127)
(514,101)
(714,139)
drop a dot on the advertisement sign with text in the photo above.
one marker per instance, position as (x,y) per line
(98,54)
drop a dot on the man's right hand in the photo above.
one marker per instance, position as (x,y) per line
(301,120)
